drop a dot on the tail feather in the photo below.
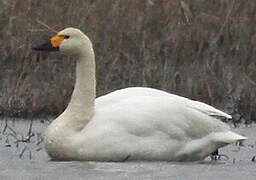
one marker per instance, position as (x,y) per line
(227,137)
(207,109)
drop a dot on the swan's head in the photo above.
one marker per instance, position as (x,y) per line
(71,41)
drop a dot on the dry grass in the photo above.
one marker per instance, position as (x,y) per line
(202,49)
(26,143)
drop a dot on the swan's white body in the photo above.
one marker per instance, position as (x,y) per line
(130,124)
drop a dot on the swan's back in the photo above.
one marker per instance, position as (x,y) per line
(128,93)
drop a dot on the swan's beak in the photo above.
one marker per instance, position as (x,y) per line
(52,45)
(46,47)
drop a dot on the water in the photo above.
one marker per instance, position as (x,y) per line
(28,161)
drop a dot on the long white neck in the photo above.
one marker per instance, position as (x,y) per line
(81,107)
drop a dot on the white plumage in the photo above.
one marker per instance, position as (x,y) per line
(130,124)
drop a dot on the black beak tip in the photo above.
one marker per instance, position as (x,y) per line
(45,47)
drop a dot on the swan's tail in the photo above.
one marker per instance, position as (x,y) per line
(200,148)
(207,109)
(227,137)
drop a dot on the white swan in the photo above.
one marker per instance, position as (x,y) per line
(129,124)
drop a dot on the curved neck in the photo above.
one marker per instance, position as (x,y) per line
(81,107)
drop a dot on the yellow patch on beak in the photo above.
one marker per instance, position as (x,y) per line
(57,40)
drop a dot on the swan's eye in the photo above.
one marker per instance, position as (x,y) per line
(66,37)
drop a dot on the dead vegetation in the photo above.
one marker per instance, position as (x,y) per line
(25,144)
(201,49)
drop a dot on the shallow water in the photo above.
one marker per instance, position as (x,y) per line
(28,160)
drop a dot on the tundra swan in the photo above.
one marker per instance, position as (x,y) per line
(129,124)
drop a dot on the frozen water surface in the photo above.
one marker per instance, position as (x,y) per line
(22,157)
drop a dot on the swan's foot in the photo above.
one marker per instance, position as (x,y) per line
(215,156)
